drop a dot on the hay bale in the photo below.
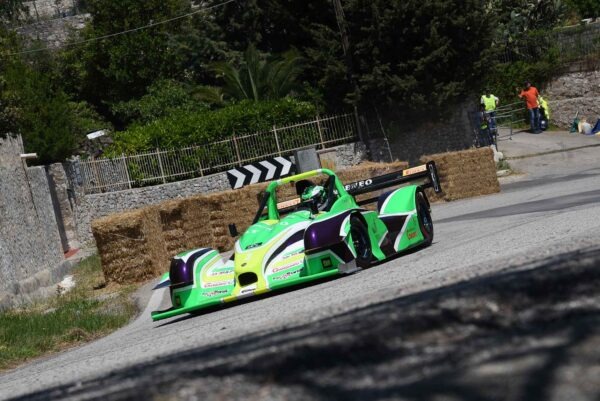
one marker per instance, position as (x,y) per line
(464,174)
(130,245)
(172,222)
(195,217)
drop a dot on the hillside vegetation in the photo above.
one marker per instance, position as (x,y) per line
(217,68)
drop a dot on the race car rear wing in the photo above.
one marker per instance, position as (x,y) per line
(424,175)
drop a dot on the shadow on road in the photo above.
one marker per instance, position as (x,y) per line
(530,334)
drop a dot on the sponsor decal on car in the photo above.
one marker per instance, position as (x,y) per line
(287,275)
(358,184)
(217,284)
(290,203)
(414,170)
(293,253)
(215,293)
(285,267)
(412,235)
(217,273)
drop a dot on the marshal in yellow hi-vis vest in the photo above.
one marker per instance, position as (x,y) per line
(489,102)
(544,105)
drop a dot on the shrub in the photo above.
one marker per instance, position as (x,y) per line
(184,128)
(164,97)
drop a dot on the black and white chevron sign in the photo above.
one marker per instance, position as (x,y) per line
(264,170)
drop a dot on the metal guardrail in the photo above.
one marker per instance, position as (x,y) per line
(506,118)
(162,166)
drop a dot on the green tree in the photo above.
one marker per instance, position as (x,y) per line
(43,114)
(257,77)
(585,8)
(418,55)
(9,110)
(309,27)
(34,105)
(274,26)
(121,68)
(163,97)
(10,10)
(513,18)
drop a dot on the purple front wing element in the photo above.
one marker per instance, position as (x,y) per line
(325,233)
(182,272)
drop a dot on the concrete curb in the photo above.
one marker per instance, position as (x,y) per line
(551,152)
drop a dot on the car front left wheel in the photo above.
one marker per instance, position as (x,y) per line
(361,241)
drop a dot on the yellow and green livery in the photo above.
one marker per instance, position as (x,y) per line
(322,233)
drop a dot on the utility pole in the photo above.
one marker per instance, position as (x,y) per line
(342,26)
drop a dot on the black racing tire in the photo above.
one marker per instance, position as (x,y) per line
(362,243)
(424,216)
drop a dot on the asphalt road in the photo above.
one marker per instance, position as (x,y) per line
(540,220)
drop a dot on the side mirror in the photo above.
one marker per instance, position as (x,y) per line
(233,231)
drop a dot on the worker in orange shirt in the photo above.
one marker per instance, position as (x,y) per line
(531,95)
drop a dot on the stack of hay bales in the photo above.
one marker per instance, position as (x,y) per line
(464,174)
(231,207)
(131,245)
(135,246)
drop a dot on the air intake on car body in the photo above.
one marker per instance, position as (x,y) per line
(247,278)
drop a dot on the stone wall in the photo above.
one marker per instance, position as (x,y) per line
(62,199)
(93,206)
(31,254)
(409,141)
(54,32)
(571,93)
(344,156)
(49,8)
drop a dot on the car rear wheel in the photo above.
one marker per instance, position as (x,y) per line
(361,241)
(424,216)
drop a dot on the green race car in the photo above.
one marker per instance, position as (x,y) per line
(323,232)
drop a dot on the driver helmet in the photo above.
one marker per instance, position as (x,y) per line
(315,192)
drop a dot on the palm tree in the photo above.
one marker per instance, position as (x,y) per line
(255,77)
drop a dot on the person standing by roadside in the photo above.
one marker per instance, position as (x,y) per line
(531,95)
(489,103)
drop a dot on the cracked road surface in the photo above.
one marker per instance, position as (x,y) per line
(504,305)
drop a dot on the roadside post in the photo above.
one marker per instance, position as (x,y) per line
(307,159)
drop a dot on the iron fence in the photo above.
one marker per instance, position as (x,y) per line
(162,166)
(566,45)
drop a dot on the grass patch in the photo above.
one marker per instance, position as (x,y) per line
(88,311)
(502,165)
